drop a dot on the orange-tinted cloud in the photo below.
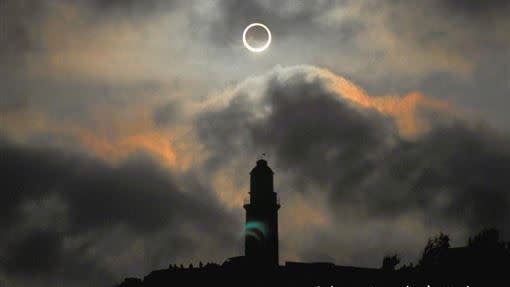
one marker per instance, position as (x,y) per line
(404,109)
(154,142)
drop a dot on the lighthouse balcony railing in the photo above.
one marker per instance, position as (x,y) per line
(246,201)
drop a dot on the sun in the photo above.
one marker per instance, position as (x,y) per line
(261,48)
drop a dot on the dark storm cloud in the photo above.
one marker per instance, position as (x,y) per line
(306,121)
(455,173)
(308,129)
(36,253)
(475,7)
(137,194)
(38,257)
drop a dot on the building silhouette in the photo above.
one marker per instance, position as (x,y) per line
(484,262)
(261,229)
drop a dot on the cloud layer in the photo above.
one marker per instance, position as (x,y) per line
(128,130)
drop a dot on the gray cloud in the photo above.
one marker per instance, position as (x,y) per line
(474,7)
(39,252)
(97,198)
(18,18)
(282,17)
(453,173)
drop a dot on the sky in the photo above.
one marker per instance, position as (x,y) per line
(128,130)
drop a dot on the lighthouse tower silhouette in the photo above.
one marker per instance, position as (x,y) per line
(261,230)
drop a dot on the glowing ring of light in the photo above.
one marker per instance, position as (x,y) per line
(263,47)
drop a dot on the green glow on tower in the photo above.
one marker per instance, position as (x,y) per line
(256,229)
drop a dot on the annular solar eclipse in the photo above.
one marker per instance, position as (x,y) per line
(259,48)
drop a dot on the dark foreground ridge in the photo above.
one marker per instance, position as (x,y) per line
(485,261)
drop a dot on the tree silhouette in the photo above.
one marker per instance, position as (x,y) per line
(390,262)
(487,238)
(434,250)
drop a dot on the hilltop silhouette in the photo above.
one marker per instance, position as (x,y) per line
(483,262)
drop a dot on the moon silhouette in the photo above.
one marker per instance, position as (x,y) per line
(261,48)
